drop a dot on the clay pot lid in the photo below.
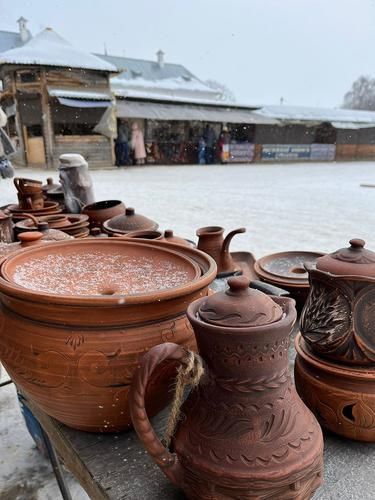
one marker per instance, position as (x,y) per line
(172,238)
(286,267)
(30,238)
(355,260)
(50,185)
(98,265)
(240,306)
(131,221)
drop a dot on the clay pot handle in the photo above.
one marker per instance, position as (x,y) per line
(166,460)
(229,236)
(17,183)
(29,216)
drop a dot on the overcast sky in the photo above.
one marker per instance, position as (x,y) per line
(306,51)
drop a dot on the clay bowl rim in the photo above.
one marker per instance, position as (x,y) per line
(7,287)
(336,369)
(209,231)
(110,230)
(296,281)
(349,277)
(142,234)
(48,205)
(93,207)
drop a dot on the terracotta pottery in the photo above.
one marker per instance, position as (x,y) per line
(245,433)
(131,221)
(79,315)
(337,320)
(27,186)
(101,211)
(6,228)
(212,242)
(146,234)
(172,238)
(342,397)
(50,185)
(287,270)
(31,239)
(95,232)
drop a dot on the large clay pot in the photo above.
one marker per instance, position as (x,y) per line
(211,240)
(75,354)
(245,432)
(101,211)
(6,228)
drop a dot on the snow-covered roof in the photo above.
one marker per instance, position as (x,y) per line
(9,40)
(340,118)
(78,93)
(48,48)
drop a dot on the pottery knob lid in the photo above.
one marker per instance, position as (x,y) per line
(30,238)
(355,260)
(240,306)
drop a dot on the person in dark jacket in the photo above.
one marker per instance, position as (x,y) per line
(210,139)
(122,144)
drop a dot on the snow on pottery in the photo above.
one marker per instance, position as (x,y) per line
(79,316)
(245,431)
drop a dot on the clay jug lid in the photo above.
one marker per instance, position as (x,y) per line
(240,306)
(354,260)
(131,221)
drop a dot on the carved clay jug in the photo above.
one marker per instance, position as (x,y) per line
(212,242)
(339,314)
(245,433)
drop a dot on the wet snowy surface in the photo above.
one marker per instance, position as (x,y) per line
(284,207)
(306,206)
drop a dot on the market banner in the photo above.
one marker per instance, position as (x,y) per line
(290,152)
(241,152)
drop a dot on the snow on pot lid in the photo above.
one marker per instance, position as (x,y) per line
(98,268)
(131,221)
(240,306)
(352,261)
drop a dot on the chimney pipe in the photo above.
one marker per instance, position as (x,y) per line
(160,56)
(24,32)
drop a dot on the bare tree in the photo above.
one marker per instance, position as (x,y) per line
(361,95)
(226,93)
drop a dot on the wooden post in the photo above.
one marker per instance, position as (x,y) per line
(46,120)
(17,121)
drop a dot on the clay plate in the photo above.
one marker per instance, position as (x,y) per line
(100,268)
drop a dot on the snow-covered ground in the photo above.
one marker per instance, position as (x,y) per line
(284,207)
(309,206)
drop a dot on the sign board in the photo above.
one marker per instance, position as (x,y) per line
(242,152)
(298,152)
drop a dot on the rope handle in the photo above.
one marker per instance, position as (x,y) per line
(190,372)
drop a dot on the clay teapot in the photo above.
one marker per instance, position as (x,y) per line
(338,317)
(212,242)
(245,433)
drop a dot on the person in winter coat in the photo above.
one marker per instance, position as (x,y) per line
(122,144)
(210,138)
(223,143)
(138,144)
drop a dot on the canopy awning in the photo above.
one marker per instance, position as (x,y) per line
(178,112)
(81,103)
(80,98)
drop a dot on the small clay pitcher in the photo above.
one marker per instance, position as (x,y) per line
(245,433)
(211,240)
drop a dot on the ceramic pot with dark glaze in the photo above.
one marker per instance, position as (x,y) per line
(101,211)
(77,317)
(337,322)
(211,241)
(245,433)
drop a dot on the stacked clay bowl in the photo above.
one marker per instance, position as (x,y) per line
(75,225)
(79,315)
(335,363)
